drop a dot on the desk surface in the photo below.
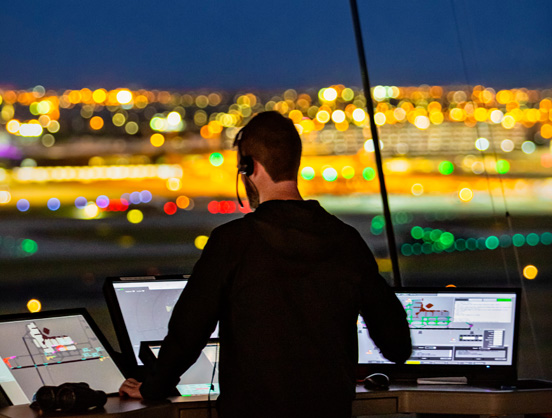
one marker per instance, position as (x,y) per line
(400,398)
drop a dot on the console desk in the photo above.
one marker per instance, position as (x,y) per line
(399,399)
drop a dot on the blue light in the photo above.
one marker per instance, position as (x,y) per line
(80,202)
(23,205)
(102,201)
(135,198)
(145,196)
(54,204)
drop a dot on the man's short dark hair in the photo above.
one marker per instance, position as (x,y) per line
(273,140)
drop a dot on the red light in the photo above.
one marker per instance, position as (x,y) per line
(213,207)
(170,208)
(116,206)
(246,208)
(227,206)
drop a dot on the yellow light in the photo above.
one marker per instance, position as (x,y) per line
(53,126)
(296,116)
(157,140)
(132,128)
(421,122)
(124,97)
(118,119)
(465,194)
(135,216)
(91,210)
(330,94)
(5,197)
(496,116)
(34,305)
(508,122)
(174,184)
(530,272)
(436,118)
(323,116)
(417,189)
(174,118)
(359,115)
(338,116)
(380,118)
(399,113)
(13,126)
(201,241)
(99,95)
(546,131)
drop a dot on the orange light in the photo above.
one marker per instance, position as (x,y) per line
(96,123)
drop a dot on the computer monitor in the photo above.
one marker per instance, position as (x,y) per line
(51,348)
(200,381)
(455,332)
(140,309)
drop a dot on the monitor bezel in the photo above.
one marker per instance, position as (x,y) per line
(59,313)
(129,361)
(474,373)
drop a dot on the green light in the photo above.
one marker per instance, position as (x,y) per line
(417,232)
(460,244)
(435,234)
(446,167)
(307,173)
(378,222)
(329,174)
(437,247)
(492,242)
(447,239)
(427,234)
(471,244)
(33,108)
(505,241)
(427,248)
(29,246)
(481,244)
(532,239)
(368,173)
(216,159)
(546,238)
(518,240)
(375,231)
(406,250)
(502,166)
(417,248)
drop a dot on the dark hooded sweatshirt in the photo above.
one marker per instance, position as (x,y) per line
(286,283)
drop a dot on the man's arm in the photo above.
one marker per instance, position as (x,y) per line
(383,313)
(192,322)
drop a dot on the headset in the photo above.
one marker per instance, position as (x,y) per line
(246,166)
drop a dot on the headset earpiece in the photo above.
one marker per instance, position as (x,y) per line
(246,165)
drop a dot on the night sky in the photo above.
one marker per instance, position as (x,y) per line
(250,44)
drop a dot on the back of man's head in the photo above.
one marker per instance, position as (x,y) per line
(273,140)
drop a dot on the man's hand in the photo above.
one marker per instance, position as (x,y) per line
(131,388)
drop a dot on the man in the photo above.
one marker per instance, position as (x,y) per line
(287,283)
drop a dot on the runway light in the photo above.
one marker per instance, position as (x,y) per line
(170,208)
(201,241)
(135,216)
(530,272)
(307,173)
(53,204)
(465,194)
(34,305)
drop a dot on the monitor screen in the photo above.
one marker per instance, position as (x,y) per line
(202,377)
(51,348)
(141,307)
(455,327)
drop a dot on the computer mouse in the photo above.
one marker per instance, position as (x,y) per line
(376,381)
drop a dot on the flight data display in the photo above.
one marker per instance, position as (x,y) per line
(453,328)
(146,307)
(52,351)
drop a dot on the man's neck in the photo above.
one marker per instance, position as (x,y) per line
(283,190)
